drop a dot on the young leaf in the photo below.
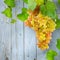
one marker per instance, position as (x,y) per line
(51,54)
(13,21)
(26,1)
(24,9)
(58,44)
(24,15)
(10,3)
(52,14)
(50,6)
(7,12)
(57,23)
(49,9)
(59,1)
(40,2)
(43,9)
(32,4)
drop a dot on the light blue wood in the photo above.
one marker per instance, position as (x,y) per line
(17,34)
(5,35)
(18,42)
(30,43)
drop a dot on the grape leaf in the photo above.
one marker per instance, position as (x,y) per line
(59,1)
(26,1)
(13,21)
(7,12)
(43,9)
(24,9)
(10,3)
(49,9)
(52,14)
(58,44)
(24,15)
(57,23)
(40,2)
(51,54)
(32,4)
(50,6)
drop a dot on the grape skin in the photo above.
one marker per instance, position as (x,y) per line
(43,27)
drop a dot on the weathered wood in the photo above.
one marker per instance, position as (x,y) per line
(18,42)
(19,32)
(30,43)
(5,35)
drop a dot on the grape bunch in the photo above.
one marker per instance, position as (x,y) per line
(43,27)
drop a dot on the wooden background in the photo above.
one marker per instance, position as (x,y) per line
(18,42)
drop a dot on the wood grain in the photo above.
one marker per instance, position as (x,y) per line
(18,42)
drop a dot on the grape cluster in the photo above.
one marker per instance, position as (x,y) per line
(43,26)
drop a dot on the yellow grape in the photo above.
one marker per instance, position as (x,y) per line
(43,26)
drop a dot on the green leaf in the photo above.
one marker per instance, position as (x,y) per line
(50,6)
(10,3)
(13,21)
(52,14)
(57,23)
(58,43)
(24,15)
(24,9)
(7,12)
(59,1)
(26,1)
(51,54)
(50,58)
(43,9)
(40,2)
(32,4)
(49,9)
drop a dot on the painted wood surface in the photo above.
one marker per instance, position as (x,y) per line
(18,42)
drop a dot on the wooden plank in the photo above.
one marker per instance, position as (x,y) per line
(7,38)
(20,32)
(17,32)
(30,43)
(40,54)
(5,34)
(2,27)
(2,56)
(13,35)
